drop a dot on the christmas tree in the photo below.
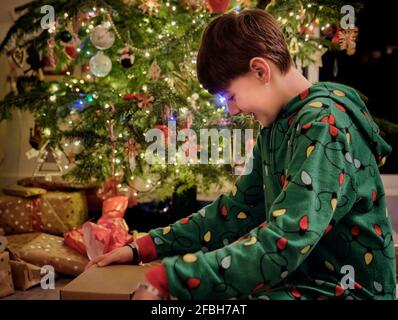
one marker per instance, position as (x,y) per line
(129,66)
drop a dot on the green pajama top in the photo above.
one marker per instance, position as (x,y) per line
(310,220)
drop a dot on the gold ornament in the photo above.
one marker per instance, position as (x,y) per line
(154,71)
(149,6)
(194,5)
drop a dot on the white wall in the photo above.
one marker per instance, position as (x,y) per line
(14,135)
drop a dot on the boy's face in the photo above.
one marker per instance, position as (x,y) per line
(251,95)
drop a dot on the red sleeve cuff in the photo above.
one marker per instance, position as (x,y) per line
(147,249)
(157,276)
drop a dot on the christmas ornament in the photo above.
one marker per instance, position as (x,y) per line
(145,100)
(48,163)
(18,56)
(218,6)
(126,58)
(35,138)
(102,38)
(132,149)
(347,40)
(308,29)
(149,6)
(50,61)
(194,5)
(71,52)
(154,71)
(100,64)
(65,36)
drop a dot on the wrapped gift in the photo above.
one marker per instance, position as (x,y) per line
(6,283)
(46,249)
(94,202)
(25,275)
(110,232)
(52,212)
(17,241)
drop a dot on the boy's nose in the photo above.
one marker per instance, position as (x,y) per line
(232,109)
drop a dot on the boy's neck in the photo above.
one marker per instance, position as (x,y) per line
(292,84)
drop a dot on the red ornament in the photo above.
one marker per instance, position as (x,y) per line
(71,52)
(129,96)
(165,129)
(217,6)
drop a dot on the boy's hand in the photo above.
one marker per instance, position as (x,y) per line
(146,292)
(119,255)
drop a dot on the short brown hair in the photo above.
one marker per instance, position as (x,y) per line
(231,40)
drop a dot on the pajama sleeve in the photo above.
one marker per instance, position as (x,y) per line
(315,196)
(230,216)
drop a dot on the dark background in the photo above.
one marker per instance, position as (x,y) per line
(373,70)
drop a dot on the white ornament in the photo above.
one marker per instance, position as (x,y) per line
(102,38)
(100,64)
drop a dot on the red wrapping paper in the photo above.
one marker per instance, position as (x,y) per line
(110,232)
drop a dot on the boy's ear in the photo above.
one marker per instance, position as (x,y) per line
(261,69)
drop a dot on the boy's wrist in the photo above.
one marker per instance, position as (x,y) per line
(136,259)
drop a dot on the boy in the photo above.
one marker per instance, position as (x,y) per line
(310,220)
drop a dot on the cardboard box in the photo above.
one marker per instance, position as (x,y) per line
(115,282)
